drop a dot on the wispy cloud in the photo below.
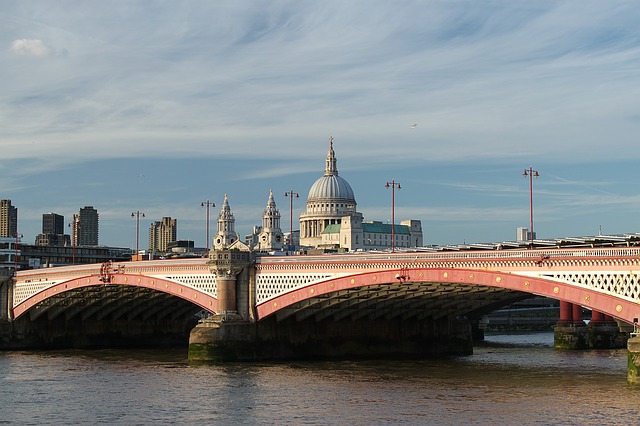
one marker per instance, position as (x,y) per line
(511,75)
(488,83)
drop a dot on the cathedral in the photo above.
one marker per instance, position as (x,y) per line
(330,202)
(330,222)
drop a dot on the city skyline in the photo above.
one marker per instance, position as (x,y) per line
(129,109)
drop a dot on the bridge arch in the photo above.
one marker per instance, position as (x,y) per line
(46,298)
(336,292)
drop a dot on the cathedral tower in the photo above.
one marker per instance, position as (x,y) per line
(270,237)
(226,234)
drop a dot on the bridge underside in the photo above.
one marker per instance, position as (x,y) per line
(404,301)
(114,302)
(389,319)
(106,316)
(433,293)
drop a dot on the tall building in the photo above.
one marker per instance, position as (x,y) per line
(52,223)
(8,219)
(332,222)
(523,234)
(86,222)
(52,231)
(162,233)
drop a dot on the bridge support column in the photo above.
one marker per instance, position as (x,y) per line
(226,287)
(5,295)
(477,328)
(577,315)
(633,360)
(570,331)
(6,329)
(604,332)
(229,335)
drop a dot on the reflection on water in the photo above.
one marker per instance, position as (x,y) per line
(511,379)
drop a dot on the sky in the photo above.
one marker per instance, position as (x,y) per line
(159,106)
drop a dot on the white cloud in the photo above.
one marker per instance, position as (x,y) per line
(31,47)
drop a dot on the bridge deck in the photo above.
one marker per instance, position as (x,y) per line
(600,278)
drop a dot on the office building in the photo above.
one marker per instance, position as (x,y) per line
(52,223)
(162,233)
(8,219)
(86,222)
(52,231)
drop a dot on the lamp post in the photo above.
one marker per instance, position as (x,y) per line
(207,204)
(74,236)
(531,173)
(15,256)
(291,195)
(393,185)
(137,215)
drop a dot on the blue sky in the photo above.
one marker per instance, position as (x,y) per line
(131,105)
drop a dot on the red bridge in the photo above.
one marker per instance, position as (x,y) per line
(337,286)
(360,304)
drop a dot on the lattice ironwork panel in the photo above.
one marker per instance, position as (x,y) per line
(205,283)
(23,291)
(272,285)
(623,285)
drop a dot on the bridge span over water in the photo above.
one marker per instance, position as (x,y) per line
(334,305)
(339,287)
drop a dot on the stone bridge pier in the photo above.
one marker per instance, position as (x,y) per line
(231,332)
(571,332)
(234,332)
(5,304)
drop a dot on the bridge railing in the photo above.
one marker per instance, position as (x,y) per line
(134,267)
(169,265)
(598,252)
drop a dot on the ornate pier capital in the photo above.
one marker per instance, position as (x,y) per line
(226,263)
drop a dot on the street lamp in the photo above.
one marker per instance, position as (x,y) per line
(291,195)
(393,185)
(531,173)
(207,204)
(74,236)
(15,256)
(137,215)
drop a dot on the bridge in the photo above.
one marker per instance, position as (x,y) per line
(339,286)
(266,307)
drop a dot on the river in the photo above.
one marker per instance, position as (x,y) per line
(511,379)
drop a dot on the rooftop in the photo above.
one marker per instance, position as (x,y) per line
(373,228)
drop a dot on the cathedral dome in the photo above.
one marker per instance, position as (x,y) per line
(331,187)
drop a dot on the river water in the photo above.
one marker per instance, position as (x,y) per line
(511,379)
